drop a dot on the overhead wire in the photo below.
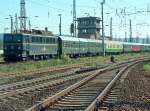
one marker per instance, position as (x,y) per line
(43,5)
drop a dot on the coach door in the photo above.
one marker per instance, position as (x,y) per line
(27,41)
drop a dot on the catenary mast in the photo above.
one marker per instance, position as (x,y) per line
(23,17)
(74,18)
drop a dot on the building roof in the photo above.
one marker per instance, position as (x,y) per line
(88,18)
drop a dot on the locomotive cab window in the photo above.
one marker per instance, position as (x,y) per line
(12,38)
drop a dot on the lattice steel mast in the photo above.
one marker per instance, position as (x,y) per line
(23,17)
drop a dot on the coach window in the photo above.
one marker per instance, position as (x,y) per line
(47,40)
(41,40)
(50,40)
(36,39)
(33,39)
(53,40)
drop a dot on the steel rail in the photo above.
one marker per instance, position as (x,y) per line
(52,99)
(47,84)
(107,89)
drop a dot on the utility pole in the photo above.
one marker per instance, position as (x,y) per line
(94,12)
(23,17)
(16,23)
(60,24)
(111,28)
(29,26)
(102,14)
(74,18)
(130,30)
(12,24)
(126,37)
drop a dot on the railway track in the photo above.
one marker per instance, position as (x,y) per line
(10,88)
(84,95)
(23,95)
(29,75)
(31,85)
(81,97)
(24,76)
(114,98)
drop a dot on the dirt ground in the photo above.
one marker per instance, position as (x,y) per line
(135,92)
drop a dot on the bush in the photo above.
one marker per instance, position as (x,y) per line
(65,58)
(147,67)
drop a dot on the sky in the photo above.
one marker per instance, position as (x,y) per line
(44,13)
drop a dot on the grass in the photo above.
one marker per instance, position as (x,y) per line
(33,65)
(1,58)
(147,67)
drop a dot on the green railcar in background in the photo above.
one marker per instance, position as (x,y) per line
(114,47)
(95,47)
(68,45)
(78,46)
(83,46)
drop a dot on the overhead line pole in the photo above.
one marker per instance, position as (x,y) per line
(74,18)
(16,23)
(60,33)
(102,14)
(130,30)
(111,28)
(12,24)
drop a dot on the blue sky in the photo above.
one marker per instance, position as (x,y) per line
(41,8)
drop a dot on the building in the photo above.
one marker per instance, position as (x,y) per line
(89,27)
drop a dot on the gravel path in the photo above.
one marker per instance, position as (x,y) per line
(135,93)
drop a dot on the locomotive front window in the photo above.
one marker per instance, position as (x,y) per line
(12,38)
(8,38)
(17,38)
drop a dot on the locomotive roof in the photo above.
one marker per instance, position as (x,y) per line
(128,43)
(70,38)
(34,35)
